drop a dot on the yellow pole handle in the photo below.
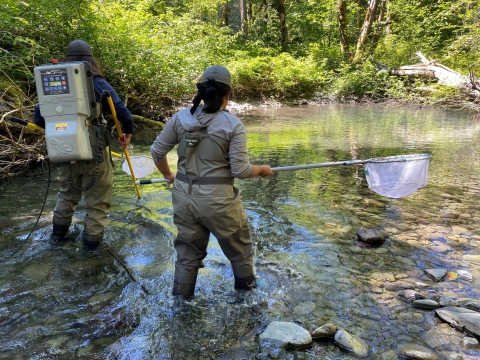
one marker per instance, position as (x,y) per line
(25,123)
(120,134)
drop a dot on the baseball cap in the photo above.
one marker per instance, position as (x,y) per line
(219,74)
(79,48)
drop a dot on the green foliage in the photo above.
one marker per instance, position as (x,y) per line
(358,81)
(278,77)
(154,50)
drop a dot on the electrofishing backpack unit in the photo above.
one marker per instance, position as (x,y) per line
(66,98)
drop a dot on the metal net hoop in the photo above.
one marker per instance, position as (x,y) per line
(397,176)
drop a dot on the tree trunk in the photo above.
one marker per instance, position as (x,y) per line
(342,27)
(280,7)
(226,14)
(377,31)
(367,25)
(243,17)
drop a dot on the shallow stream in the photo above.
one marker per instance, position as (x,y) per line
(63,303)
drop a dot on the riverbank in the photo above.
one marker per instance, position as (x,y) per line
(23,148)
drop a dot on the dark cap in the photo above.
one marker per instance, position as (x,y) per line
(79,48)
(219,74)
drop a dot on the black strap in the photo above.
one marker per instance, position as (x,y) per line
(211,180)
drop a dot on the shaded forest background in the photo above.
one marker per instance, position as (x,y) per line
(152,51)
(287,51)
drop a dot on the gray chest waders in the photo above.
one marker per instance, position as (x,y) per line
(199,150)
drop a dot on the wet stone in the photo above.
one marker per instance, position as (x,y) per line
(398,285)
(461,319)
(327,330)
(436,274)
(410,295)
(415,352)
(370,236)
(425,304)
(351,343)
(280,334)
(472,305)
(444,300)
(470,343)
(464,275)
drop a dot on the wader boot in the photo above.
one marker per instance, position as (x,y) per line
(91,242)
(247,283)
(59,233)
(184,287)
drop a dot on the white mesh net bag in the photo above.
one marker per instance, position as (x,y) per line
(397,176)
(142,166)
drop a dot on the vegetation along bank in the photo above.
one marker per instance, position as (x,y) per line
(282,51)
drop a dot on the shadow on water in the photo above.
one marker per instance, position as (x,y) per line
(60,302)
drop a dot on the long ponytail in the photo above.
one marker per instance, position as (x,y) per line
(212,94)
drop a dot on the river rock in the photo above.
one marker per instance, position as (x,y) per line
(425,304)
(444,300)
(398,285)
(370,236)
(470,343)
(415,352)
(410,295)
(281,334)
(464,275)
(351,343)
(327,330)
(461,319)
(472,305)
(436,274)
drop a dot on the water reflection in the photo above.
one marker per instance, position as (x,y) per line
(61,303)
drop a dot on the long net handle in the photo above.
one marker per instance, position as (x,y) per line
(320,165)
(120,134)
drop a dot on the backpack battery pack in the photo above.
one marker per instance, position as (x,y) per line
(66,98)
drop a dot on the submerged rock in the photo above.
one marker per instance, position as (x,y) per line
(461,319)
(415,352)
(464,275)
(327,330)
(280,334)
(410,295)
(351,343)
(472,305)
(370,236)
(426,304)
(436,274)
(470,343)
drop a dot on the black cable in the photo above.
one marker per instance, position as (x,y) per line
(38,217)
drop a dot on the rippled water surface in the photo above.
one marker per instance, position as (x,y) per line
(58,302)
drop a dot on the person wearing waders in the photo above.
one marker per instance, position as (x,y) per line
(212,151)
(75,175)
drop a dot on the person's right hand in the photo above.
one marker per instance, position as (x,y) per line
(266,171)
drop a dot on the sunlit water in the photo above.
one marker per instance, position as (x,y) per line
(62,303)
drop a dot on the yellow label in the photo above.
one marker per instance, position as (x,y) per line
(61,127)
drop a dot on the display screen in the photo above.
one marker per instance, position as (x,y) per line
(55,82)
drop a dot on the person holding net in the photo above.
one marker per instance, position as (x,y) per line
(212,151)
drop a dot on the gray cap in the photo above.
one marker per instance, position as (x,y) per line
(219,74)
(79,48)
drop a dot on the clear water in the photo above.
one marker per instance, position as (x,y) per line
(62,303)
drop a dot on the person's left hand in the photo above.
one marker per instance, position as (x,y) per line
(170,177)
